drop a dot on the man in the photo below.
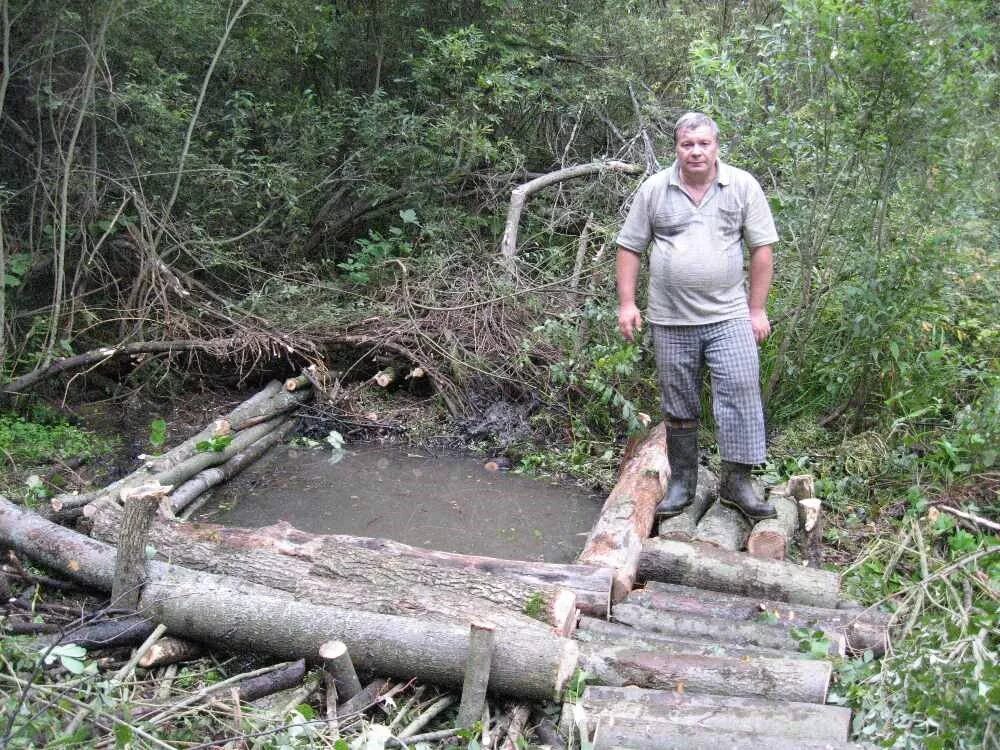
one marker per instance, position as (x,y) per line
(697,214)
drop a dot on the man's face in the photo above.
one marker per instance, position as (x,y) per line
(697,151)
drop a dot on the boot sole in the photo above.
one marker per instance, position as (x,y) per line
(672,513)
(749,517)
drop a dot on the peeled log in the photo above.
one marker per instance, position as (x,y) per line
(246,555)
(722,527)
(682,527)
(657,735)
(803,680)
(806,721)
(863,629)
(213,609)
(771,539)
(628,514)
(717,629)
(702,566)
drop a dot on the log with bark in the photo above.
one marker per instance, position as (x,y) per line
(721,630)
(722,527)
(805,680)
(114,633)
(627,516)
(682,527)
(379,565)
(715,569)
(592,630)
(864,629)
(772,538)
(656,735)
(804,721)
(216,609)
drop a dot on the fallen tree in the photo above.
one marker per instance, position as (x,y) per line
(225,611)
(313,573)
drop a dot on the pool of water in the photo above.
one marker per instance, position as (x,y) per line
(449,503)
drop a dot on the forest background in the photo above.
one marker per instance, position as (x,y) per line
(267,181)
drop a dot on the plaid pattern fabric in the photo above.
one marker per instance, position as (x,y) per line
(729,350)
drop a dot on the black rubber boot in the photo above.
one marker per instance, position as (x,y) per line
(736,491)
(682,452)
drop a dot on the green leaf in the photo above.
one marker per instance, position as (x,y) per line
(123,735)
(409,216)
(158,432)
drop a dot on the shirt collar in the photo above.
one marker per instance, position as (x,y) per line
(723,176)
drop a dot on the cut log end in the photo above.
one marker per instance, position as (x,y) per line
(563,614)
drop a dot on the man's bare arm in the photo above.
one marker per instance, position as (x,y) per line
(761,273)
(627,275)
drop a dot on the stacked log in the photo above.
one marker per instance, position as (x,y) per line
(772,538)
(720,713)
(864,630)
(683,527)
(628,513)
(706,567)
(655,735)
(320,570)
(722,527)
(253,420)
(217,609)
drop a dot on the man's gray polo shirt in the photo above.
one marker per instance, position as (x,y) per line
(696,263)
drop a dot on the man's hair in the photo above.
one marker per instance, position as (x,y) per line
(692,120)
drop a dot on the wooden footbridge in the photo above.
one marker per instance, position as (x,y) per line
(686,641)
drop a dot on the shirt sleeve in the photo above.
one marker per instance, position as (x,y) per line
(758,223)
(637,231)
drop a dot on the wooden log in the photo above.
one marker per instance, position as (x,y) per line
(339,668)
(189,491)
(628,514)
(212,608)
(803,680)
(548,733)
(593,630)
(706,567)
(425,718)
(130,562)
(805,721)
(771,538)
(297,383)
(717,629)
(386,377)
(477,673)
(519,715)
(369,696)
(117,633)
(722,527)
(863,629)
(275,681)
(375,585)
(683,527)
(657,735)
(170,650)
(809,512)
(542,588)
(801,486)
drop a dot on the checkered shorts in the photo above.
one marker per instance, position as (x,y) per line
(729,350)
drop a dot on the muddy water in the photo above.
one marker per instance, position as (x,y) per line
(448,503)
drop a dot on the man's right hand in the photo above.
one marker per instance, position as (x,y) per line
(629,321)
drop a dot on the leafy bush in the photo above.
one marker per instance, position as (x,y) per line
(30,442)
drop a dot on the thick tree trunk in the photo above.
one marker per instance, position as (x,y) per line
(682,527)
(656,735)
(382,565)
(863,629)
(722,527)
(254,556)
(772,538)
(724,713)
(804,680)
(214,609)
(717,629)
(628,513)
(706,567)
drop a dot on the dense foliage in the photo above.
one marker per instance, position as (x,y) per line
(288,173)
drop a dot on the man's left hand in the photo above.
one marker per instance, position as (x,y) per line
(760,324)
